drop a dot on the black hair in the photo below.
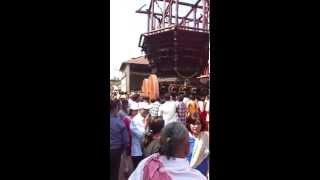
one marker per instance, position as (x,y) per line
(193,119)
(114,104)
(162,100)
(167,97)
(155,126)
(146,98)
(180,98)
(135,97)
(130,111)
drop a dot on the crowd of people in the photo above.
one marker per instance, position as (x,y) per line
(164,138)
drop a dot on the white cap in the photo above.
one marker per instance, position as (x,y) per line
(144,105)
(147,106)
(134,106)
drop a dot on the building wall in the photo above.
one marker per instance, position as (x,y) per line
(133,76)
(125,81)
(136,81)
(128,78)
(123,84)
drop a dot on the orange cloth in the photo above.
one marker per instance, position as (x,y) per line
(145,88)
(153,86)
(191,107)
(150,87)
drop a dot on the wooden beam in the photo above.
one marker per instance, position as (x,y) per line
(186,4)
(166,10)
(139,73)
(192,8)
(159,14)
(163,25)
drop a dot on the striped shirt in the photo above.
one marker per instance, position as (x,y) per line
(154,109)
(182,112)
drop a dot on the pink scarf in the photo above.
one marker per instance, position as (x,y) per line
(153,169)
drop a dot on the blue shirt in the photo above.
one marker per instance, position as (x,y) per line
(119,137)
(203,166)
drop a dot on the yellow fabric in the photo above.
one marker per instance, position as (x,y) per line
(191,107)
(201,149)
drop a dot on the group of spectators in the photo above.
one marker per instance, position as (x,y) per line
(164,138)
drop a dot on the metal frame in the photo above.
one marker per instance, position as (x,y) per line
(160,18)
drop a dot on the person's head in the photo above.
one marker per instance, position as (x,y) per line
(174,140)
(167,97)
(194,124)
(153,100)
(144,111)
(123,97)
(124,103)
(180,98)
(133,109)
(114,106)
(162,100)
(155,125)
(174,98)
(192,97)
(121,114)
(134,97)
(146,99)
(133,112)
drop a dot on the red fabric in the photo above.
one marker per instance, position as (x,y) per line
(203,116)
(154,170)
(126,121)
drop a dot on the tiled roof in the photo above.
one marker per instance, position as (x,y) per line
(139,60)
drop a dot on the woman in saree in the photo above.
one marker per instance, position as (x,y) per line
(198,155)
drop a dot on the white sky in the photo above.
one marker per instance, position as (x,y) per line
(126,26)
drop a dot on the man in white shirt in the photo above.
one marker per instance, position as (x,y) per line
(137,128)
(170,163)
(168,110)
